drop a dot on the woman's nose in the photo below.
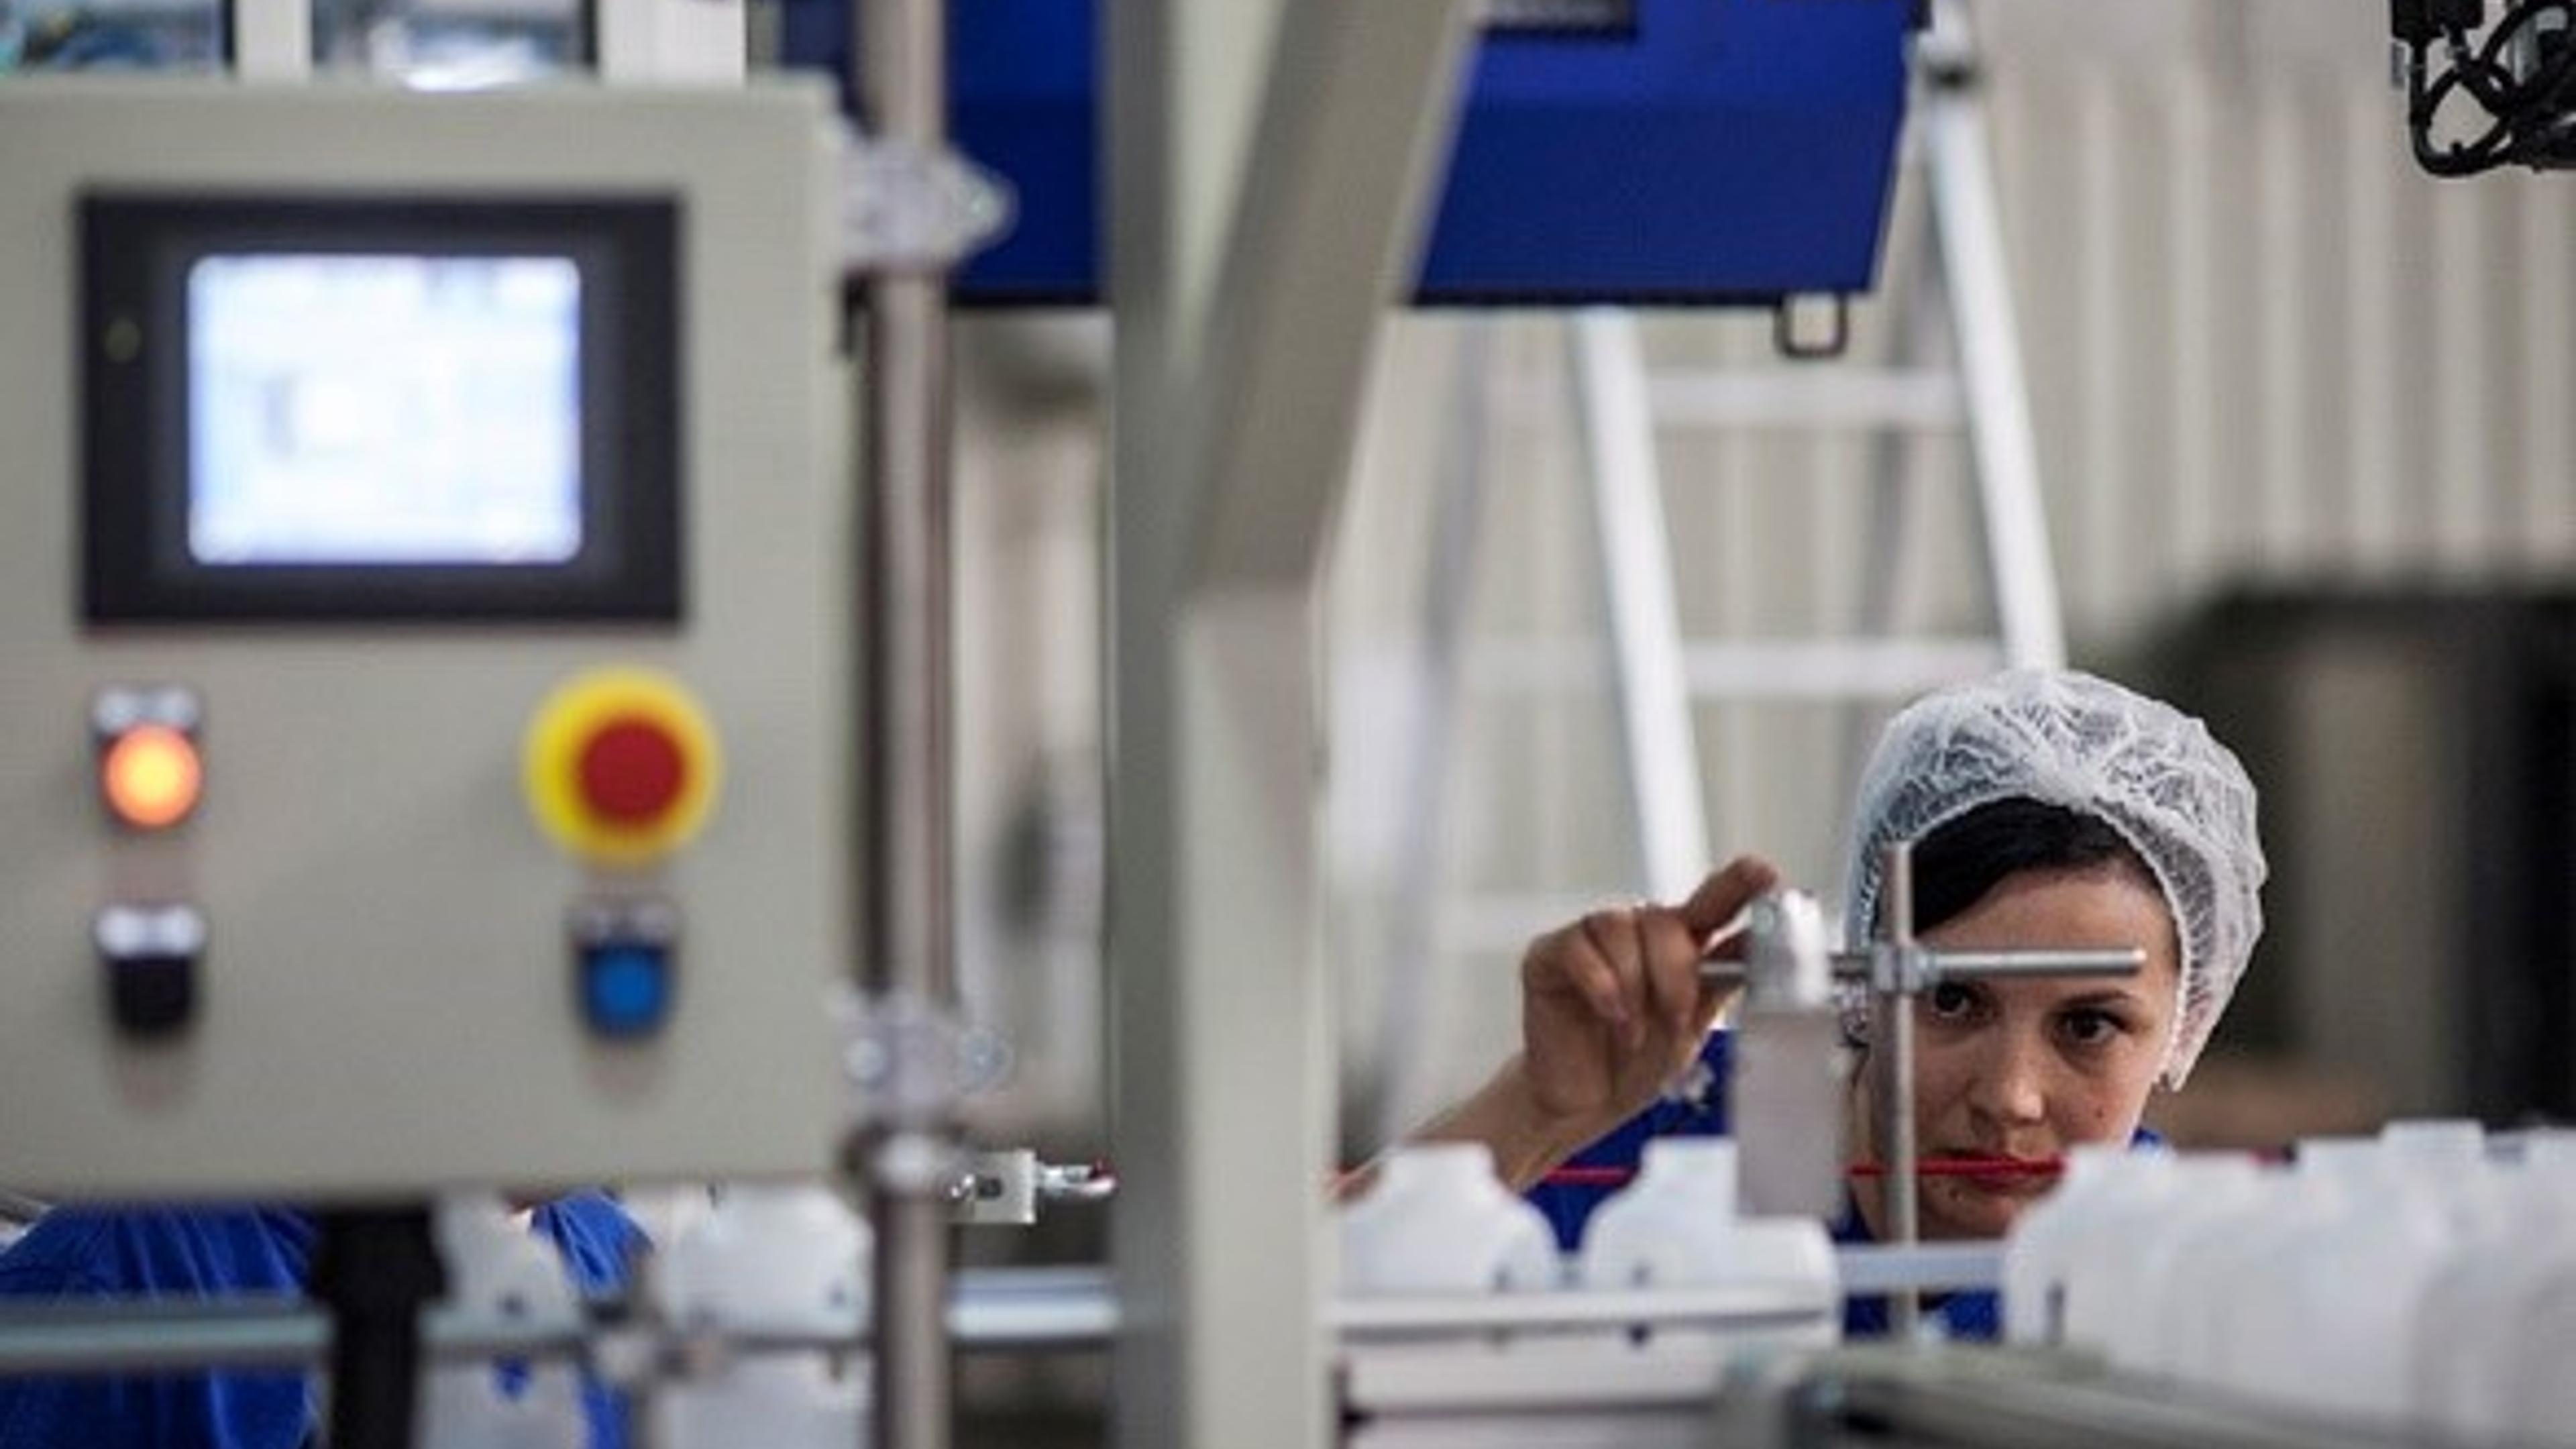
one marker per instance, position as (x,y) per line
(2012,1078)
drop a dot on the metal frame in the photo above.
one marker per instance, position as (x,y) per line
(1635,542)
(906,900)
(1252,263)
(1968,227)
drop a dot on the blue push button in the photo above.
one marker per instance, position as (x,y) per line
(626,989)
(624,972)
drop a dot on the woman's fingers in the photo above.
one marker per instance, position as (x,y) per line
(1613,935)
(1636,969)
(1720,898)
(1566,961)
(1672,954)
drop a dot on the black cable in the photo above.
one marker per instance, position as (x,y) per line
(2531,118)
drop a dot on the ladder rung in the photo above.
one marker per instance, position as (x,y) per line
(1778,669)
(1824,399)
(1499,924)
(1816,669)
(1538,666)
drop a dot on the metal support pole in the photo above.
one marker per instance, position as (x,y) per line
(1645,622)
(906,899)
(1971,233)
(269,40)
(1411,966)
(1250,269)
(1893,1050)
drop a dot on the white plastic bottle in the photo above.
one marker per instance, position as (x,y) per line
(1676,1226)
(497,1268)
(2101,1244)
(2246,1333)
(1438,1221)
(2035,1251)
(2456,1371)
(2205,1188)
(2353,1285)
(2480,1340)
(786,1258)
(2198,1292)
(2540,1343)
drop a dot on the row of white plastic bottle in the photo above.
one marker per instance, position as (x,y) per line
(795,1259)
(1438,1222)
(2412,1279)
(791,1259)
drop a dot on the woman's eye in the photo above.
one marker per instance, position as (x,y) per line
(2092,1028)
(1951,1001)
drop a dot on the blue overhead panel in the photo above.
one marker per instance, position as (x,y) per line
(1684,151)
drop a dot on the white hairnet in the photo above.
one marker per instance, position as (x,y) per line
(2059,737)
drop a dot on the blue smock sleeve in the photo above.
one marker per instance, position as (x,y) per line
(600,1245)
(1568,1201)
(163,1253)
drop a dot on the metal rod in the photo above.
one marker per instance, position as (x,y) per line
(1894,1050)
(2116,1411)
(1969,230)
(1450,1315)
(123,1337)
(906,805)
(1940,966)
(1635,545)
(989,1310)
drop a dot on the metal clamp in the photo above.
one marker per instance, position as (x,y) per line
(908,1063)
(907,208)
(1005,1188)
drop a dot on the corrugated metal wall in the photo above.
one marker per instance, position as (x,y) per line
(2262,347)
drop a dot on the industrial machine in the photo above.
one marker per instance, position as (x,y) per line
(421,767)
(424,639)
(1657,151)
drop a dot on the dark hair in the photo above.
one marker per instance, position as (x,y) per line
(1959,861)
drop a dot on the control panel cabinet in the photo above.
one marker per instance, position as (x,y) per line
(423,656)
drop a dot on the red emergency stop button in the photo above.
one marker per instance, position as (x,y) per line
(621,765)
(633,771)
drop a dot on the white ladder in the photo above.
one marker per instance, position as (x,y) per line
(1962,306)
(1660,673)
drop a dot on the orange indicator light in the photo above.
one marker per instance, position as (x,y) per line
(152,776)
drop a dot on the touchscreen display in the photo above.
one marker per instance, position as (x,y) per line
(383,409)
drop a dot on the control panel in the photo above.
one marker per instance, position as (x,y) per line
(422,647)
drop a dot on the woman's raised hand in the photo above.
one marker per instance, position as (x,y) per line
(1612,1006)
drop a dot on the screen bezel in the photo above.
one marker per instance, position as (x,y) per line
(137,250)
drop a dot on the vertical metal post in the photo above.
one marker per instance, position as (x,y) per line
(1894,1032)
(1412,966)
(269,40)
(1645,621)
(906,922)
(1250,269)
(1971,235)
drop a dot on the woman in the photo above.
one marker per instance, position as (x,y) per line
(2049,810)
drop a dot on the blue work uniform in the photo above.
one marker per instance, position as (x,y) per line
(233,1253)
(1569,1205)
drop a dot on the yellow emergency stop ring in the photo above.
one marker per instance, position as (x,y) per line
(575,715)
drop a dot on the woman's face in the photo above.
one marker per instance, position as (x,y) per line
(2028,1068)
